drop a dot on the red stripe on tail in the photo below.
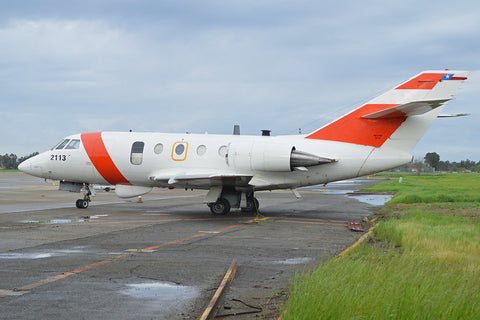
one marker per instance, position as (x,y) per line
(425,81)
(352,128)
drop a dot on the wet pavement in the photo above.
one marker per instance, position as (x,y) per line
(162,258)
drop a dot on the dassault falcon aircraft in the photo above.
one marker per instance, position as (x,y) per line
(376,136)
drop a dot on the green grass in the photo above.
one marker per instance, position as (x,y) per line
(424,263)
(451,187)
(8,170)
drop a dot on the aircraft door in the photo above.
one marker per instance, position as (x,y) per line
(136,155)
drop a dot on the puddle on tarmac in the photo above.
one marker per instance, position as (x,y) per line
(167,293)
(64,221)
(51,253)
(293,261)
(37,255)
(28,256)
(348,188)
(373,199)
(337,187)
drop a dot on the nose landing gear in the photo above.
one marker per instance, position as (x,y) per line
(83,203)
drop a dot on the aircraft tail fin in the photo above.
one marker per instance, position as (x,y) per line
(400,115)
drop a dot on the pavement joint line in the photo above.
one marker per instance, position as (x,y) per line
(114,259)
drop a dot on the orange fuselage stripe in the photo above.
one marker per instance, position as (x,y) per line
(98,154)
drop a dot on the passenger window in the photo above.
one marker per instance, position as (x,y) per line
(201,149)
(222,151)
(158,148)
(179,151)
(74,144)
(136,156)
(63,144)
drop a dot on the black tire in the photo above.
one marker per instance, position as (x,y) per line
(222,206)
(81,204)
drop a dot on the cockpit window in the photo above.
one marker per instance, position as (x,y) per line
(61,144)
(55,146)
(74,144)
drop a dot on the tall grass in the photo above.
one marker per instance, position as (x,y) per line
(424,263)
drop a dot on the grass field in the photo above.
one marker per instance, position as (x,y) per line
(448,187)
(423,263)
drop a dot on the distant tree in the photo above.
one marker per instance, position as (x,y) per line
(467,164)
(417,166)
(432,159)
(8,161)
(11,162)
(444,166)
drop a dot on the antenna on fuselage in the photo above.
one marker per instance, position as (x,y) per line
(236,129)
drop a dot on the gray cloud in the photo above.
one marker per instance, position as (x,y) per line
(203,66)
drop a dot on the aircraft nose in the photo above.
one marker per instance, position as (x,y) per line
(25,166)
(30,166)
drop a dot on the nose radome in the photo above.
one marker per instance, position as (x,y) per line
(31,166)
(25,166)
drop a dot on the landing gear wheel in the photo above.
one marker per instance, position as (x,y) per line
(222,206)
(81,204)
(252,205)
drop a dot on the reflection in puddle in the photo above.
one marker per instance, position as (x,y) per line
(63,221)
(165,295)
(29,256)
(349,187)
(51,253)
(292,261)
(373,199)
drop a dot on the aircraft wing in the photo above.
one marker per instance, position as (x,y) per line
(204,179)
(407,109)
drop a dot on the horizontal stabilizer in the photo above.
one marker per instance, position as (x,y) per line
(408,109)
(443,115)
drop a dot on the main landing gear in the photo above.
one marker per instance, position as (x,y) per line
(234,199)
(83,203)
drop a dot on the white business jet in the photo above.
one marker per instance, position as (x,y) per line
(377,136)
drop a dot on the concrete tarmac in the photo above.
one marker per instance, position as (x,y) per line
(162,258)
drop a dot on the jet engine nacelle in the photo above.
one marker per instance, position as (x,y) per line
(268,156)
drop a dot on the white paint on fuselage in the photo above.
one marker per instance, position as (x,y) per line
(351,160)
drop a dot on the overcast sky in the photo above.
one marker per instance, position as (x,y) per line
(176,66)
